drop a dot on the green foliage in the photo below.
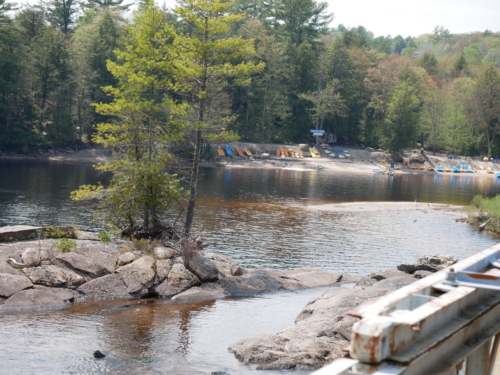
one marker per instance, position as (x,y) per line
(104,236)
(59,232)
(65,245)
(485,209)
(141,191)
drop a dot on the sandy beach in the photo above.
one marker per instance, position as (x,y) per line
(264,156)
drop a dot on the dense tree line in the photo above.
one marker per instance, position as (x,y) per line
(377,91)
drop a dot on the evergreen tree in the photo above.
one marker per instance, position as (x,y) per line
(141,191)
(213,60)
(61,14)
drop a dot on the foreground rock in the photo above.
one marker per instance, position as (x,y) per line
(11,284)
(81,263)
(430,263)
(319,335)
(18,232)
(39,297)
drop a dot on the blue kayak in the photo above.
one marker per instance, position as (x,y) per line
(376,170)
(228,151)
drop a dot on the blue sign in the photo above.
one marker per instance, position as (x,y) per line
(317,131)
(318,134)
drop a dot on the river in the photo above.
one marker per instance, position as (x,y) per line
(260,217)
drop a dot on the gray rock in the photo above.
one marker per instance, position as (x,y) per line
(165,252)
(39,297)
(54,276)
(203,268)
(253,282)
(102,288)
(6,268)
(162,269)
(319,334)
(225,264)
(310,277)
(11,284)
(103,254)
(138,276)
(81,263)
(202,293)
(18,232)
(421,274)
(126,258)
(394,282)
(179,279)
(365,282)
(350,278)
(431,263)
(385,274)
(31,257)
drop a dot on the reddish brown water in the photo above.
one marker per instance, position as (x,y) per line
(256,216)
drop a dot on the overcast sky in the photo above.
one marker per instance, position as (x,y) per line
(408,17)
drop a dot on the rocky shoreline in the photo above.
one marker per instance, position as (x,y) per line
(36,274)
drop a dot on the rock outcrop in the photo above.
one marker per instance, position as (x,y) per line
(430,263)
(138,276)
(11,284)
(53,276)
(81,263)
(178,280)
(320,333)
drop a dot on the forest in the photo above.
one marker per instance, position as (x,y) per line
(377,91)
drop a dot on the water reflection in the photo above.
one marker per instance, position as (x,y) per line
(153,338)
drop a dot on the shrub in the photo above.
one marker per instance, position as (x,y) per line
(65,245)
(58,232)
(104,236)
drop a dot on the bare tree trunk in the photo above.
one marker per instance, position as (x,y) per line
(193,185)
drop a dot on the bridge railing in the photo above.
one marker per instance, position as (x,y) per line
(444,324)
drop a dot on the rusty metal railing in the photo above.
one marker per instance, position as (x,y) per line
(439,325)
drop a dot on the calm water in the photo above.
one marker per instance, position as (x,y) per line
(256,216)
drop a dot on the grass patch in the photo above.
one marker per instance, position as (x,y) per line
(485,211)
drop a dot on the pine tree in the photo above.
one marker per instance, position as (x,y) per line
(211,61)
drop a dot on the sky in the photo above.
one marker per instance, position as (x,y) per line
(407,17)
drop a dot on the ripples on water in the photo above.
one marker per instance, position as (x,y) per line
(158,338)
(256,216)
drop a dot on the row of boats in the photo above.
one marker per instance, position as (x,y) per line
(228,152)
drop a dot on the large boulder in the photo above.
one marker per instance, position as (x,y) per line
(162,270)
(203,268)
(103,254)
(138,276)
(18,232)
(431,263)
(39,297)
(319,334)
(310,277)
(178,280)
(81,263)
(253,282)
(54,276)
(11,284)
(31,256)
(226,265)
(6,268)
(162,252)
(126,258)
(104,288)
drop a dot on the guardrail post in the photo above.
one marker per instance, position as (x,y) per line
(478,363)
